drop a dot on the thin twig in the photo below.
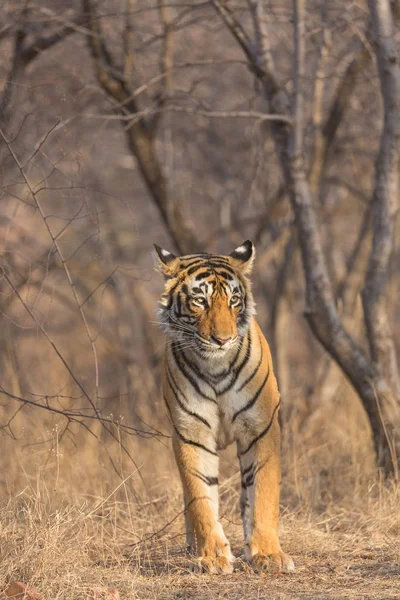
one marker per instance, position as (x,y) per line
(64,264)
(209,114)
(78,417)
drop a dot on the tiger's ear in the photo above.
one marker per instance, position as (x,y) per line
(166,262)
(243,256)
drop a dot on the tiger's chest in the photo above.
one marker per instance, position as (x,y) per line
(222,400)
(228,428)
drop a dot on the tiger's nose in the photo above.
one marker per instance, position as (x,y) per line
(221,341)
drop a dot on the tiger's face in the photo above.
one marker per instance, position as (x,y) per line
(207,303)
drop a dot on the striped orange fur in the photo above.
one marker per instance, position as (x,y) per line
(219,387)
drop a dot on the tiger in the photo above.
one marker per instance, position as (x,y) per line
(219,387)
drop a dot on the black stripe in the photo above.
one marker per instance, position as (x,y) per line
(169,410)
(264,431)
(233,362)
(219,257)
(247,356)
(189,377)
(238,369)
(179,303)
(194,269)
(218,377)
(215,264)
(195,500)
(246,471)
(247,476)
(199,352)
(210,263)
(243,315)
(203,275)
(211,379)
(171,293)
(181,315)
(249,480)
(192,443)
(205,256)
(201,255)
(196,261)
(205,478)
(182,406)
(243,508)
(253,400)
(225,275)
(185,292)
(196,369)
(232,367)
(250,377)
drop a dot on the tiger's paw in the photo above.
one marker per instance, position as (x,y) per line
(220,565)
(273,563)
(214,555)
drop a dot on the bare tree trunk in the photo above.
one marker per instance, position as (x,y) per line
(349,308)
(385,199)
(140,134)
(24,53)
(326,132)
(279,314)
(320,311)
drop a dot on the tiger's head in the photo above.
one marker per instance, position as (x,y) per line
(207,303)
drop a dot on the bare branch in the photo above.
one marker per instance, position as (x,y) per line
(65,266)
(47,336)
(317,113)
(166,62)
(24,54)
(264,54)
(298,81)
(79,417)
(34,49)
(128,41)
(326,132)
(320,304)
(236,29)
(209,114)
(140,136)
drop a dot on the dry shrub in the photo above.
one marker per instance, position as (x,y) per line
(72,527)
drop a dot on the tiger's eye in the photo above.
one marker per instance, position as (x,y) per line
(200,300)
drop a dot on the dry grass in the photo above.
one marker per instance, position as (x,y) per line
(65,543)
(77,515)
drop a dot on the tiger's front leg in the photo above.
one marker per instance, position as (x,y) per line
(261,477)
(199,473)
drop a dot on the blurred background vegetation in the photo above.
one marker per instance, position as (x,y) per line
(131,122)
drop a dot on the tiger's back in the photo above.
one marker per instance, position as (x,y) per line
(219,387)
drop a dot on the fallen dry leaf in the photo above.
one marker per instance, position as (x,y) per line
(20,590)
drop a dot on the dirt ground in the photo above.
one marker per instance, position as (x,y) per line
(77,553)
(328,566)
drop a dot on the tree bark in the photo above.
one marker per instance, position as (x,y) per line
(23,54)
(385,199)
(321,314)
(140,136)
